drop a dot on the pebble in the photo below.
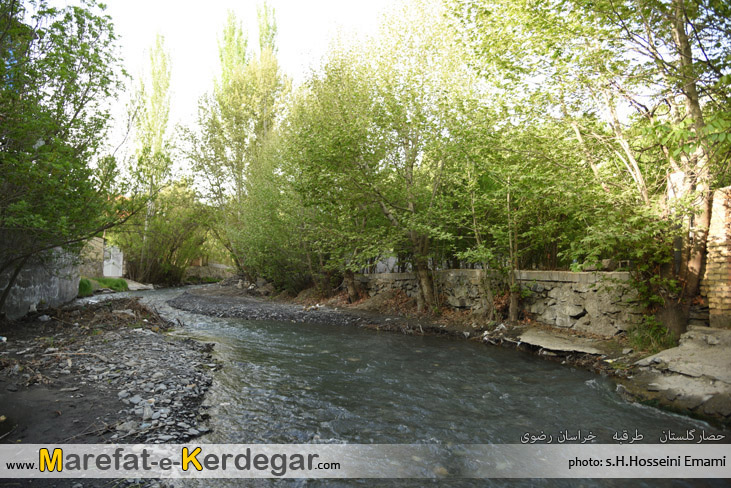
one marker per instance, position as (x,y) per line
(129,426)
(159,378)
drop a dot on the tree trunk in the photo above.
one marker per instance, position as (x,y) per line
(513,254)
(513,311)
(425,296)
(699,160)
(697,255)
(11,281)
(351,286)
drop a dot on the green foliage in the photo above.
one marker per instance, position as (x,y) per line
(116,284)
(229,147)
(650,335)
(645,241)
(152,164)
(85,288)
(59,67)
(159,247)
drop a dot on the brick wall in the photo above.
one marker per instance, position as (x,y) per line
(717,278)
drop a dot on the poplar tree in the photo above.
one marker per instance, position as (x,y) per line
(234,122)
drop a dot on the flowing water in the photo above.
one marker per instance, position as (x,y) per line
(300,383)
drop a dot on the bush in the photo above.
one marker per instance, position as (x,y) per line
(116,284)
(85,288)
(159,244)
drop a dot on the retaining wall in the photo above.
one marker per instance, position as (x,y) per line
(596,302)
(211,270)
(46,283)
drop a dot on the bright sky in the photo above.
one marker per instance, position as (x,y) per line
(191,30)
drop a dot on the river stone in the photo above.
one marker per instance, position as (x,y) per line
(718,405)
(129,426)
(552,342)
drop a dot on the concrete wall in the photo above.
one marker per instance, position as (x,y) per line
(50,282)
(716,283)
(596,302)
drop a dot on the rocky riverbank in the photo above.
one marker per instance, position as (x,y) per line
(694,379)
(107,372)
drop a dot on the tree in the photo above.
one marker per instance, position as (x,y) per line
(371,126)
(588,64)
(152,162)
(59,68)
(174,236)
(234,123)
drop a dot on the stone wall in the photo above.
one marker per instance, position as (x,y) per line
(717,278)
(596,302)
(211,270)
(46,283)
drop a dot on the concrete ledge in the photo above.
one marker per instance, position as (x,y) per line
(572,277)
(522,275)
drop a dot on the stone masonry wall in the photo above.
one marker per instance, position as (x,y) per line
(595,302)
(211,270)
(717,278)
(47,283)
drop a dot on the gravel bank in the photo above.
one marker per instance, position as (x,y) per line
(100,373)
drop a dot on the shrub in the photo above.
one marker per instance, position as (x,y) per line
(85,288)
(116,284)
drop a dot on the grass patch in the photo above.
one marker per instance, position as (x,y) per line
(85,288)
(651,336)
(116,284)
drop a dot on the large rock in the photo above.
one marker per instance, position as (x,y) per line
(546,340)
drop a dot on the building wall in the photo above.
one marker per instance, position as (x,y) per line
(210,270)
(716,285)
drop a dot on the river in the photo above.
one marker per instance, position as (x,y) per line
(285,382)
